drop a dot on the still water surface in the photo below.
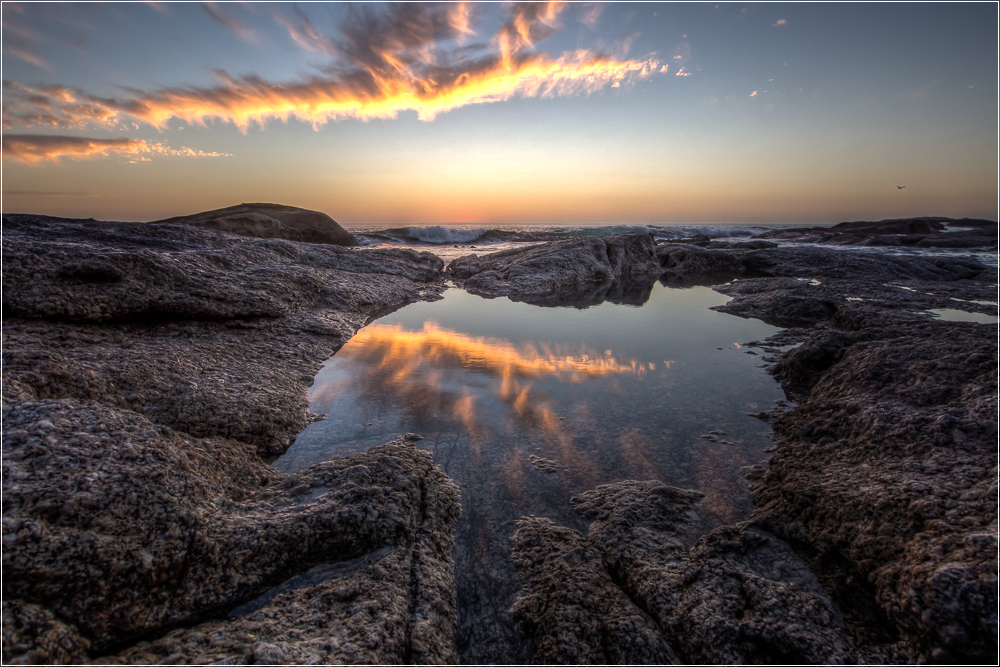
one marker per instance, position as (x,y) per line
(525,406)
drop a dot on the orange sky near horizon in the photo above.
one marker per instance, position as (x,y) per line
(488,114)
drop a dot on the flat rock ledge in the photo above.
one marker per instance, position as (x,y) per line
(150,372)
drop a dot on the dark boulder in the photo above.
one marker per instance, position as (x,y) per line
(690,263)
(561,272)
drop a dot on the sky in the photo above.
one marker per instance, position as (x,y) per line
(404,114)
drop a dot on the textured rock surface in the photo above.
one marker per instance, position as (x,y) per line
(272,221)
(885,474)
(122,528)
(888,471)
(572,608)
(739,596)
(567,272)
(148,369)
(210,333)
(684,264)
(875,537)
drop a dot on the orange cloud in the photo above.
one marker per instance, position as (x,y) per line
(36,148)
(407,59)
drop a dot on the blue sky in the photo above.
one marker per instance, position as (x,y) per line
(578,112)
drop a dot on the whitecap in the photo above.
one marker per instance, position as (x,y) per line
(438,234)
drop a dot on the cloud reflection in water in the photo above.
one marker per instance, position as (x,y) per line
(435,373)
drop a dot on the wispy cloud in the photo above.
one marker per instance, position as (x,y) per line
(53,106)
(302,31)
(21,41)
(408,57)
(226,18)
(592,16)
(753,94)
(38,148)
(780,22)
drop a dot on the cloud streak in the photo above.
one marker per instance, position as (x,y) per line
(407,58)
(34,149)
(224,17)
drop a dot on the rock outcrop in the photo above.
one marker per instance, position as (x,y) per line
(632,593)
(885,474)
(910,232)
(123,529)
(149,373)
(578,272)
(206,332)
(270,221)
(875,533)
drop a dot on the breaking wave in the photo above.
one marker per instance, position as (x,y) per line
(438,234)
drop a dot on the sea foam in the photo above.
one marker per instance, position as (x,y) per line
(438,234)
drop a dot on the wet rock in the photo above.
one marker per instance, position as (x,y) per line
(886,472)
(883,478)
(149,372)
(125,529)
(570,270)
(687,264)
(113,272)
(739,596)
(209,333)
(897,226)
(802,367)
(270,221)
(881,471)
(572,609)
(810,262)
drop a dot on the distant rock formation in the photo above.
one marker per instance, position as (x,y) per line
(927,232)
(577,272)
(270,221)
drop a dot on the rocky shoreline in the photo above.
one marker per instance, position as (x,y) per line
(152,370)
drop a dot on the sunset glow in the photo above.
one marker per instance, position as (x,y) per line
(524,112)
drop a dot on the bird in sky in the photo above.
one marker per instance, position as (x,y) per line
(900,186)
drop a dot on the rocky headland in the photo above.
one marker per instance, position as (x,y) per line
(270,221)
(151,371)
